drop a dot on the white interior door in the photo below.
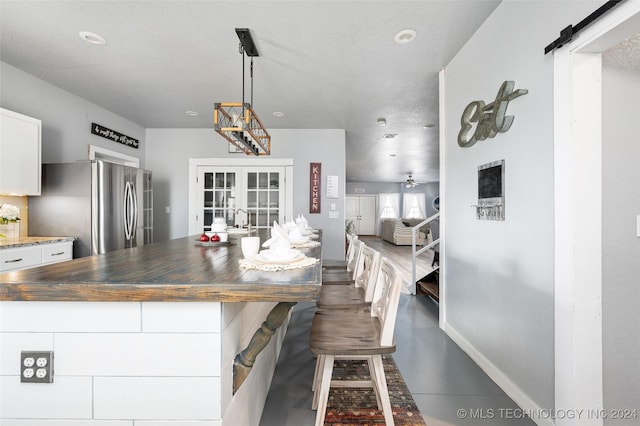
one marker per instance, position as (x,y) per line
(352,208)
(367,221)
(265,189)
(240,195)
(218,195)
(219,187)
(362,211)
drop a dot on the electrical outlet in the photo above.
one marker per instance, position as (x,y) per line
(36,367)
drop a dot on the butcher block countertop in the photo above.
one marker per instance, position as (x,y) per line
(179,270)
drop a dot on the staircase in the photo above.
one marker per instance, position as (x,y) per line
(432,279)
(429,285)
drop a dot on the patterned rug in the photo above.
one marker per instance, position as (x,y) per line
(357,406)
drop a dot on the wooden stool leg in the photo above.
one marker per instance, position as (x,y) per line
(381,383)
(325,385)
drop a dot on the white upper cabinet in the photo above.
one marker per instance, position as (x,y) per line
(20,159)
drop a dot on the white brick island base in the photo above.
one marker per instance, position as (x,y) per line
(134,363)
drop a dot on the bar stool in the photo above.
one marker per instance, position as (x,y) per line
(347,276)
(341,264)
(357,335)
(359,294)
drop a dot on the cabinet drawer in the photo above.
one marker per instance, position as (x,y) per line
(20,258)
(58,252)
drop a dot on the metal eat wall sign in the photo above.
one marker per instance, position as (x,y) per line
(491,118)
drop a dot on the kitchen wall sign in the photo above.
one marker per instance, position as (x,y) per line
(102,131)
(490,119)
(315,179)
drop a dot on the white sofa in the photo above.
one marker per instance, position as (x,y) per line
(398,231)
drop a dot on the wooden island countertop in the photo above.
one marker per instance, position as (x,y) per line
(179,270)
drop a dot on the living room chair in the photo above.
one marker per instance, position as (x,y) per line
(357,335)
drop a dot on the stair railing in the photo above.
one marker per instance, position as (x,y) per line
(415,253)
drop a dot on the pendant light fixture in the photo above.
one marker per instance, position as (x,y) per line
(237,122)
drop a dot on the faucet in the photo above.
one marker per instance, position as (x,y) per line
(248,217)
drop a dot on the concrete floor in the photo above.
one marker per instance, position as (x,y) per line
(448,387)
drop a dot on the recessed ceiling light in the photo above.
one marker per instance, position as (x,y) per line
(192,113)
(278,114)
(429,126)
(92,38)
(382,122)
(405,36)
(389,136)
(392,155)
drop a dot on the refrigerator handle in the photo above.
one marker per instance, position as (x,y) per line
(134,215)
(126,210)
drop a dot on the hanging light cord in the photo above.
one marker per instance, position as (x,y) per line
(241,50)
(251,74)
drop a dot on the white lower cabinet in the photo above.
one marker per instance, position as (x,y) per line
(12,259)
(58,252)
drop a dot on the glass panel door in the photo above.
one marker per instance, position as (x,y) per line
(218,192)
(265,195)
(234,193)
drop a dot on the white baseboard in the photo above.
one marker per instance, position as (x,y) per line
(501,379)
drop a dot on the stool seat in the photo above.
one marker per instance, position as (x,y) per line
(334,264)
(347,333)
(333,277)
(359,294)
(346,276)
(342,297)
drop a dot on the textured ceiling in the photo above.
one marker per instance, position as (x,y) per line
(325,64)
(625,55)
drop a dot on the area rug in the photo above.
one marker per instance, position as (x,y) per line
(357,406)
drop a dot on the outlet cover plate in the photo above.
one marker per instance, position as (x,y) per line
(36,367)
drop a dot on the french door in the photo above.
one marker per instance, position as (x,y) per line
(240,195)
(361,210)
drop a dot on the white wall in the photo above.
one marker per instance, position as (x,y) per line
(168,158)
(66,118)
(500,275)
(620,246)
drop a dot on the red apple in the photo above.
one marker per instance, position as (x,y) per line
(215,238)
(204,238)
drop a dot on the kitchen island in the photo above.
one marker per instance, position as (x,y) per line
(148,334)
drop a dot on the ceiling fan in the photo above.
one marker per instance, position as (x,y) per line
(411,183)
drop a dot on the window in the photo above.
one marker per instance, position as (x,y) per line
(413,205)
(389,205)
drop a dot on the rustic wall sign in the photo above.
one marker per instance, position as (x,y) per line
(102,131)
(315,176)
(491,119)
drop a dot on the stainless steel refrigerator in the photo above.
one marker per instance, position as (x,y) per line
(107,206)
